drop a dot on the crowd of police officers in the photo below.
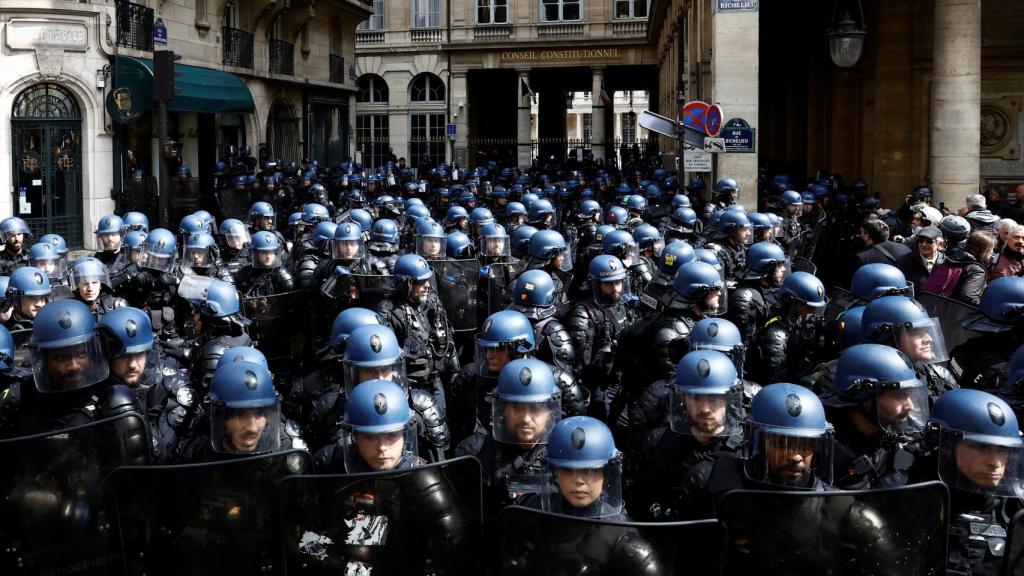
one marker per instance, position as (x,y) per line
(313,368)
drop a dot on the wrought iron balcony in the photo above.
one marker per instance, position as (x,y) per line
(238,50)
(282,57)
(134,26)
(337,65)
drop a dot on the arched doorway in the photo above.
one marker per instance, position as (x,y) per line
(283,133)
(46,124)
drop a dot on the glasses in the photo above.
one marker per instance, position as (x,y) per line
(925,241)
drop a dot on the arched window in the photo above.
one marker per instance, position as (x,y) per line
(372,89)
(426,88)
(46,101)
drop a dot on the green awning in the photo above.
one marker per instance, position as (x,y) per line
(200,89)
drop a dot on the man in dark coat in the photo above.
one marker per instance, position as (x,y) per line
(879,249)
(923,256)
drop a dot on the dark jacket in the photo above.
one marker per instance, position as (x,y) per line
(887,252)
(913,267)
(973,277)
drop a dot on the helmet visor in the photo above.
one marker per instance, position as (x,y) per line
(584,492)
(254,430)
(431,247)
(356,374)
(70,367)
(236,237)
(789,461)
(197,256)
(348,249)
(922,341)
(494,246)
(705,415)
(902,406)
(607,292)
(266,258)
(524,423)
(982,464)
(378,452)
(157,261)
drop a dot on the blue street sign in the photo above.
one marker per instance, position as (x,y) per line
(738,136)
(450,129)
(159,32)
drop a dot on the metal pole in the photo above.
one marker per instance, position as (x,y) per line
(165,185)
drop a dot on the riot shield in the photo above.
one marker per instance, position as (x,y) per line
(213,518)
(235,203)
(458,283)
(186,198)
(801,264)
(274,323)
(417,521)
(537,542)
(62,292)
(897,531)
(22,354)
(1013,564)
(57,511)
(951,314)
(499,284)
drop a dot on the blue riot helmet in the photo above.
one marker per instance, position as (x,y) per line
(129,342)
(979,443)
(636,205)
(313,214)
(109,234)
(348,320)
(29,291)
(685,218)
(802,294)
(763,227)
(696,184)
(60,245)
(456,217)
(882,379)
(134,221)
(515,213)
(727,188)
(722,336)
(681,201)
(526,403)
(586,469)
(529,198)
(199,250)
(379,431)
(506,335)
(412,277)
(675,255)
(384,234)
(362,218)
(789,441)
(494,241)
(807,198)
(430,240)
(245,410)
(262,216)
(649,237)
(417,213)
(533,294)
(653,191)
(239,182)
(903,323)
(88,278)
(587,194)
(5,303)
(479,218)
(467,197)
(617,216)
(266,247)
(207,219)
(706,400)
(373,353)
(591,209)
(243,354)
(620,243)
(549,247)
(697,283)
(1001,307)
(458,246)
(134,245)
(851,326)
(736,225)
(608,280)
(414,202)
(295,223)
(220,301)
(235,234)
(355,197)
(791,198)
(6,349)
(66,350)
(872,281)
(45,257)
(190,224)
(764,259)
(11,227)
(521,240)
(541,212)
(348,242)
(709,257)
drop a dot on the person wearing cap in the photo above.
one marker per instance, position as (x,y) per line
(924,255)
(976,212)
(1010,261)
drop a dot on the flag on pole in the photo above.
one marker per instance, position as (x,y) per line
(524,89)
(606,100)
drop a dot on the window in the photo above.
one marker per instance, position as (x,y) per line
(588,126)
(426,88)
(559,10)
(372,89)
(426,13)
(492,11)
(628,127)
(376,20)
(372,138)
(631,8)
(427,141)
(231,16)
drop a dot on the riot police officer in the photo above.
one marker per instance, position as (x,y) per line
(792,204)
(379,431)
(219,326)
(265,275)
(109,237)
(13,233)
(383,247)
(620,243)
(129,340)
(730,245)
(978,362)
(318,248)
(430,240)
(44,256)
(201,258)
(263,217)
(548,251)
(234,244)
(793,341)
(29,291)
(534,296)
(764,270)
(91,284)
(151,284)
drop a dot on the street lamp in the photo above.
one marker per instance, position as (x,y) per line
(846,38)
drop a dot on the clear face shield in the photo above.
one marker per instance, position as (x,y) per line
(989,465)
(609,292)
(526,423)
(586,492)
(265,259)
(629,254)
(431,247)
(744,235)
(236,237)
(705,415)
(495,246)
(419,291)
(197,256)
(51,267)
(130,368)
(348,249)
(492,357)
(379,451)
(784,457)
(563,260)
(922,341)
(657,248)
(156,261)
(902,406)
(245,430)
(109,241)
(355,374)
(69,367)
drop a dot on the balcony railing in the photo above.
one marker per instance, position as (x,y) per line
(426,35)
(486,32)
(282,57)
(134,26)
(337,65)
(369,37)
(238,49)
(631,28)
(560,30)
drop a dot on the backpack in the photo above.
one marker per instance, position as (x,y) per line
(943,280)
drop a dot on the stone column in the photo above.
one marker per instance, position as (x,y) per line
(597,114)
(460,117)
(955,135)
(734,86)
(524,146)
